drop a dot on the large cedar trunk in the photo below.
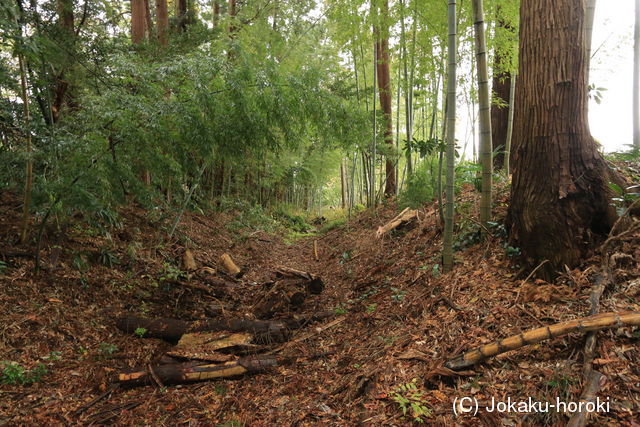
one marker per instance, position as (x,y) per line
(162,21)
(384,88)
(559,195)
(137,21)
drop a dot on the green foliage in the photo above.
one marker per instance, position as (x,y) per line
(3,267)
(170,273)
(411,400)
(421,186)
(106,350)
(15,374)
(140,332)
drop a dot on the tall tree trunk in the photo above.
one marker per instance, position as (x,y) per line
(447,251)
(162,17)
(559,195)
(484,112)
(507,146)
(182,10)
(381,31)
(500,88)
(137,21)
(28,179)
(636,78)
(147,20)
(408,103)
(61,85)
(216,12)
(232,14)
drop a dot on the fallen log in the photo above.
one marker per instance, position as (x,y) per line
(196,371)
(282,297)
(403,217)
(585,324)
(173,329)
(207,345)
(232,269)
(313,283)
(595,381)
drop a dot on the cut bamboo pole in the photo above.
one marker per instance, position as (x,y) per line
(585,324)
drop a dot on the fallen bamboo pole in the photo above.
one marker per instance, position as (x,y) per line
(585,324)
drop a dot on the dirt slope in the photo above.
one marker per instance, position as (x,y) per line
(396,319)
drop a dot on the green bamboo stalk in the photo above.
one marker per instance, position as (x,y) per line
(447,253)
(484,111)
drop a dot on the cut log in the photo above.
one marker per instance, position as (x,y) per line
(232,269)
(206,345)
(585,324)
(197,371)
(188,261)
(313,283)
(282,297)
(173,329)
(403,217)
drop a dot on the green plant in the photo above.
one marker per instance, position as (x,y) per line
(53,356)
(345,257)
(435,271)
(108,258)
(410,398)
(340,310)
(371,308)
(106,350)
(3,267)
(398,295)
(140,332)
(15,374)
(511,251)
(170,273)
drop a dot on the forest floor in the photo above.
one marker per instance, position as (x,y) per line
(395,319)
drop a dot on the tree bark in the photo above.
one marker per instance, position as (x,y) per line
(173,329)
(559,195)
(162,22)
(381,31)
(137,21)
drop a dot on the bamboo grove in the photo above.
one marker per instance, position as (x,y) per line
(302,105)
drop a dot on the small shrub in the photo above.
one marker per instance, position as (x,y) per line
(14,374)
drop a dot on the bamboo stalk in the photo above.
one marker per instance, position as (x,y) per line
(447,253)
(585,324)
(484,112)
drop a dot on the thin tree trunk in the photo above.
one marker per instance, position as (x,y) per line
(447,252)
(560,195)
(484,112)
(636,78)
(407,94)
(507,147)
(500,93)
(216,12)
(28,181)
